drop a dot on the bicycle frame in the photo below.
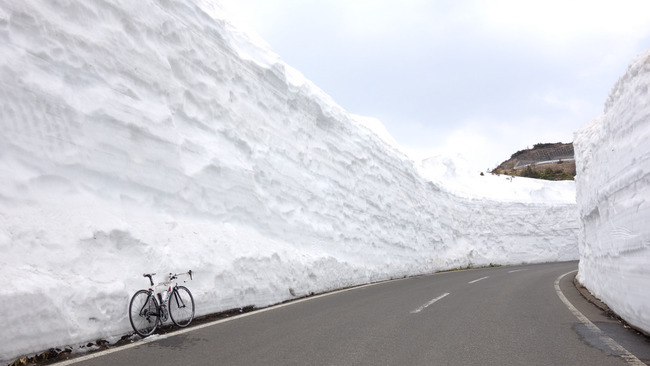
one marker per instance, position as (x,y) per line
(166,286)
(165,306)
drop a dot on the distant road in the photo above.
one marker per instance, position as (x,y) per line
(492,316)
(543,162)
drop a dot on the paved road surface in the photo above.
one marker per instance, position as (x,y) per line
(492,316)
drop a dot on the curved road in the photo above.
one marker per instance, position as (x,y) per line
(491,316)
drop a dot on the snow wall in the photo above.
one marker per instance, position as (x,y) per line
(152,136)
(613,193)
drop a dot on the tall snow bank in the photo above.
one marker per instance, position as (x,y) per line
(143,136)
(613,189)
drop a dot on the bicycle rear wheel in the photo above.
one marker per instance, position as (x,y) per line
(144,313)
(181,306)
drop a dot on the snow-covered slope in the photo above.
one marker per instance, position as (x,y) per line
(142,136)
(613,193)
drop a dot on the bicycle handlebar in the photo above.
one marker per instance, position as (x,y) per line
(175,276)
(171,276)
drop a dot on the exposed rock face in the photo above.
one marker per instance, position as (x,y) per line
(547,161)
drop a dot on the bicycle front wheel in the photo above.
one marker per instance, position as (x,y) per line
(143,313)
(181,306)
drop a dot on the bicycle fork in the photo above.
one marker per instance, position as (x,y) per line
(179,301)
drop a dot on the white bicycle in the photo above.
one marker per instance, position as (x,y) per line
(150,308)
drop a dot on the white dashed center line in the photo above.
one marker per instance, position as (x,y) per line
(518,270)
(429,303)
(482,278)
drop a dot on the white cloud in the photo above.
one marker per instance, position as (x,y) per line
(385,18)
(486,77)
(571,105)
(565,21)
(484,143)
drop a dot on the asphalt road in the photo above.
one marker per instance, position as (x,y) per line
(491,316)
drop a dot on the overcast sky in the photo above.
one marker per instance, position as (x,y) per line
(486,77)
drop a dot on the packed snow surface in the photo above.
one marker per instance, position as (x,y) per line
(153,136)
(613,194)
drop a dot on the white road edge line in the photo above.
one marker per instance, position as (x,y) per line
(617,348)
(429,303)
(156,337)
(482,278)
